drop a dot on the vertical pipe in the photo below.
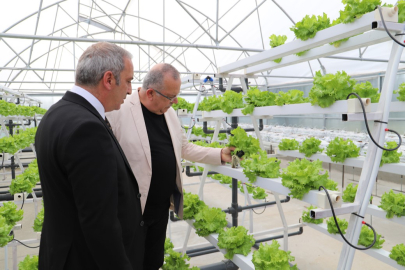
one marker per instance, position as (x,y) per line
(216,40)
(10,125)
(235,202)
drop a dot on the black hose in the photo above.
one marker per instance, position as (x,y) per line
(337,225)
(368,130)
(386,30)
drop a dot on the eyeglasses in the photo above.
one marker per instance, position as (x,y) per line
(170,99)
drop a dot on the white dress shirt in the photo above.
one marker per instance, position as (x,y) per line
(90,98)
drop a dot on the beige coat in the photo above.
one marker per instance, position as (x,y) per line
(129,128)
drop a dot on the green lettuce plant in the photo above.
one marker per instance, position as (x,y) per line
(10,213)
(177,261)
(191,205)
(39,221)
(393,204)
(29,263)
(329,88)
(236,241)
(260,165)
(401,89)
(210,103)
(276,41)
(256,98)
(366,90)
(301,176)
(288,144)
(332,228)
(390,156)
(366,238)
(241,141)
(398,254)
(231,100)
(5,230)
(259,193)
(168,245)
(354,9)
(309,26)
(209,220)
(292,96)
(339,149)
(310,146)
(270,256)
(349,194)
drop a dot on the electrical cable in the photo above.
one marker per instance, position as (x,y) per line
(262,211)
(337,225)
(368,130)
(22,243)
(23,195)
(386,30)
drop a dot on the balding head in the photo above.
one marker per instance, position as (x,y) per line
(155,77)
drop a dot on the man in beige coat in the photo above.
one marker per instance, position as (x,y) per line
(154,143)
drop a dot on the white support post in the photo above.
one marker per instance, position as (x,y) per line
(372,162)
(202,182)
(249,202)
(192,120)
(186,240)
(284,221)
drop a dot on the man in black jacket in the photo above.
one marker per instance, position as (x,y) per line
(93,217)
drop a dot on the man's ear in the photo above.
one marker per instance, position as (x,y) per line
(150,94)
(108,79)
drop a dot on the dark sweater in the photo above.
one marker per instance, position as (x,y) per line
(163,180)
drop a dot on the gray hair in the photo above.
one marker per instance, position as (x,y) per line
(97,60)
(154,78)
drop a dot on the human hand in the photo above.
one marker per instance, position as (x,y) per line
(226,154)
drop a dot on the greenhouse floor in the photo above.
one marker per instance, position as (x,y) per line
(312,250)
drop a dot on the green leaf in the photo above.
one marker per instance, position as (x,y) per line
(242,141)
(401,89)
(329,88)
(301,176)
(236,241)
(29,263)
(349,194)
(191,205)
(177,261)
(209,220)
(398,254)
(5,230)
(339,149)
(366,238)
(354,9)
(257,98)
(310,146)
(366,90)
(231,100)
(401,11)
(260,165)
(168,245)
(10,213)
(306,216)
(390,156)
(309,26)
(269,256)
(332,228)
(39,221)
(293,96)
(393,204)
(276,41)
(288,144)
(259,193)
(210,103)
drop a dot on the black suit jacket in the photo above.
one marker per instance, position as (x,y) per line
(93,217)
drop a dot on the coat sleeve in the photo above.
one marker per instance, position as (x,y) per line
(198,153)
(91,162)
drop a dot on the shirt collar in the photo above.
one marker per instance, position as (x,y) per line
(90,98)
